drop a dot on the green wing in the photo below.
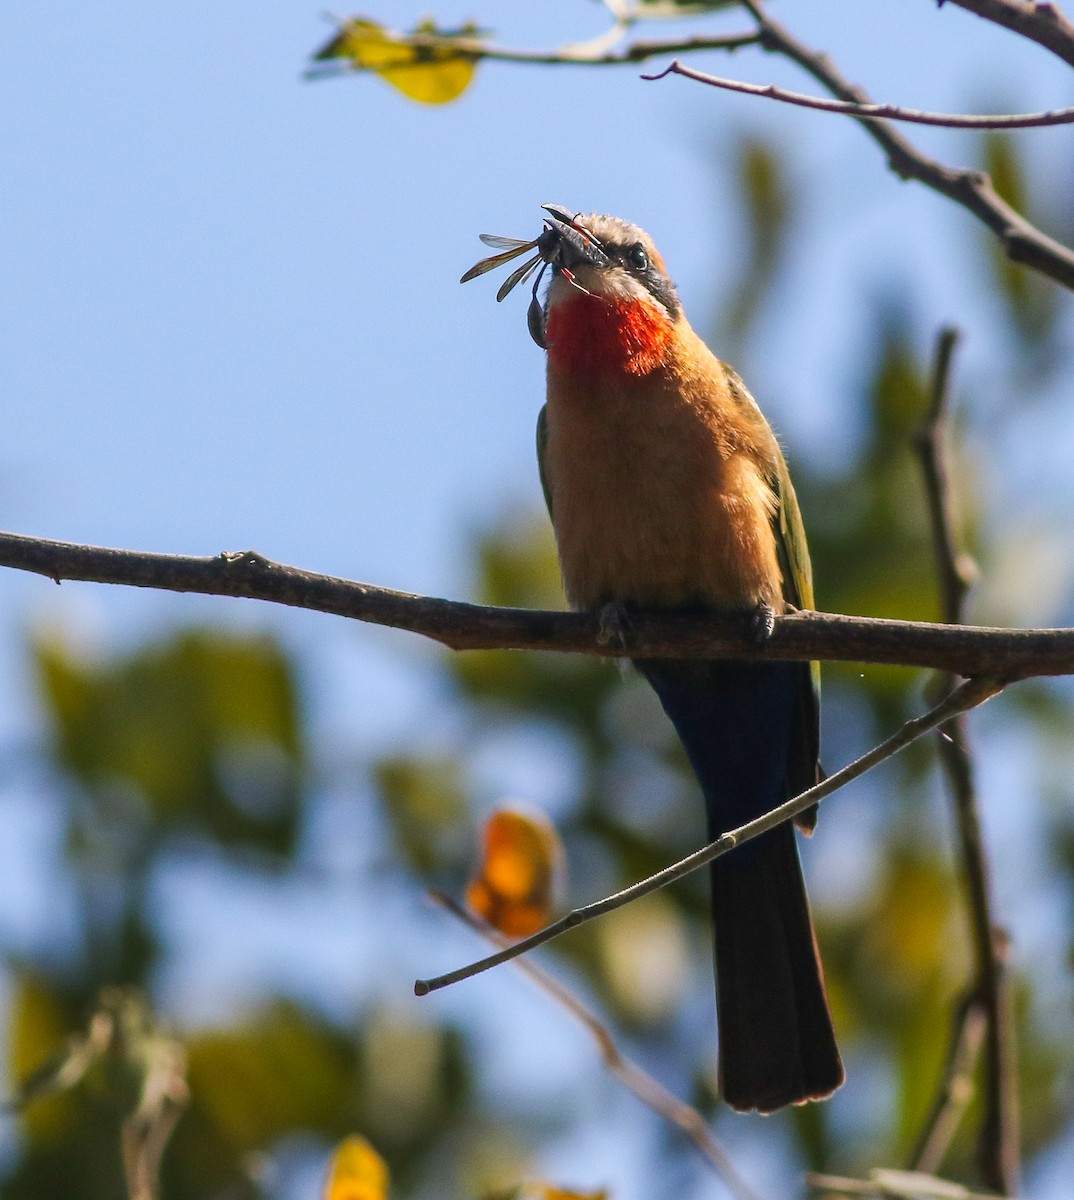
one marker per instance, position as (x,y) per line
(791,542)
(787,528)
(542,442)
(798,591)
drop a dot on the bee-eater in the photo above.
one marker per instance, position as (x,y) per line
(668,491)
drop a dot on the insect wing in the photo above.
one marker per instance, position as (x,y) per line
(518,275)
(505,243)
(496,260)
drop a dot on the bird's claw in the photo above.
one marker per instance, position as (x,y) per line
(613,625)
(762,623)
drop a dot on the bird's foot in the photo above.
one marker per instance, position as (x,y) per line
(762,623)
(613,625)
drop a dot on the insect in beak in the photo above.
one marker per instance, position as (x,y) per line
(563,243)
(510,249)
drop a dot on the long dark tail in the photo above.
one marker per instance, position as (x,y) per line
(738,723)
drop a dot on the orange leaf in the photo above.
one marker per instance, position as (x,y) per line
(548,1192)
(356,1172)
(520,875)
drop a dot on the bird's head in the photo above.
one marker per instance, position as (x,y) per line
(610,306)
(606,258)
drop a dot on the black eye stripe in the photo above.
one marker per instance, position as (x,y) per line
(633,256)
(655,281)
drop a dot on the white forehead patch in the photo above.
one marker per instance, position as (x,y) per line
(618,232)
(616,282)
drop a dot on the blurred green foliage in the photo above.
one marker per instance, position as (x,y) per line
(203,729)
(201,738)
(767,212)
(1032,302)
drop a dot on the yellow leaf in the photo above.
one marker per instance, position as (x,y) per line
(356,1172)
(515,888)
(432,84)
(427,73)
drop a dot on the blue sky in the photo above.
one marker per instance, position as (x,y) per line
(231,315)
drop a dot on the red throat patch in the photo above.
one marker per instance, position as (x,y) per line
(587,333)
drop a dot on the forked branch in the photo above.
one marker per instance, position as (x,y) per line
(1021,240)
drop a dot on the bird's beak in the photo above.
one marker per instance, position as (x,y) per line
(566,243)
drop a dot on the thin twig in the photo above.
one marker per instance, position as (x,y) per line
(587,55)
(1022,241)
(888,112)
(647,1089)
(956,1088)
(969,695)
(957,570)
(803,636)
(998,1140)
(896,1185)
(144,1137)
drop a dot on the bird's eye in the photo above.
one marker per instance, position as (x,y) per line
(638,256)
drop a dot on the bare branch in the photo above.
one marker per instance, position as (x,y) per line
(997,1147)
(1022,241)
(885,1184)
(647,1089)
(956,1089)
(969,695)
(998,1144)
(958,571)
(889,112)
(964,650)
(144,1137)
(636,52)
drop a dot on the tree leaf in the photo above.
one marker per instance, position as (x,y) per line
(548,1191)
(520,874)
(356,1172)
(430,74)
